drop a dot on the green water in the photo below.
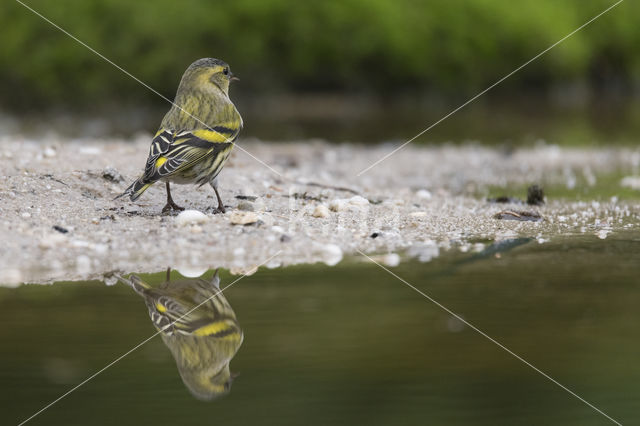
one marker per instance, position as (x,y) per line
(351,344)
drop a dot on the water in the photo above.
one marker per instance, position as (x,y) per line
(351,344)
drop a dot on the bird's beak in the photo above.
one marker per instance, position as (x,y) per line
(233,77)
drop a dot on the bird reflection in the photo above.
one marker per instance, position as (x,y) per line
(202,339)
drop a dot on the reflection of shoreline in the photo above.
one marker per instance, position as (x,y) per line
(520,117)
(203,339)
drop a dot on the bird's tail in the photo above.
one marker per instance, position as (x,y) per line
(135,190)
(135,282)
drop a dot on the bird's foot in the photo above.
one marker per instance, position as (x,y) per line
(216,210)
(170,207)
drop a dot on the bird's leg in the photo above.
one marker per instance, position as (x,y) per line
(220,208)
(171,205)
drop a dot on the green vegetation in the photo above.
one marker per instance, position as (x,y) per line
(278,46)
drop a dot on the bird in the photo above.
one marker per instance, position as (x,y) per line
(196,136)
(198,326)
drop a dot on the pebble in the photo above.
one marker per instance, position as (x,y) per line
(191,217)
(331,254)
(354,203)
(26,215)
(111,174)
(49,152)
(424,194)
(246,206)
(191,271)
(243,218)
(418,214)
(391,260)
(321,211)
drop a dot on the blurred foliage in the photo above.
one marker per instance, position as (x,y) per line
(379,46)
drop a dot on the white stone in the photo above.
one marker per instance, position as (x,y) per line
(358,201)
(424,194)
(418,214)
(49,152)
(391,260)
(331,254)
(321,211)
(243,218)
(191,217)
(354,203)
(191,271)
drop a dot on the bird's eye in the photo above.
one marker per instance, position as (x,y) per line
(226,71)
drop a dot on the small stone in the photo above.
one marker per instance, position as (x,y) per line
(60,229)
(246,206)
(354,203)
(26,215)
(331,254)
(424,194)
(191,271)
(321,211)
(110,280)
(418,214)
(391,260)
(111,174)
(375,235)
(243,218)
(358,201)
(49,152)
(191,217)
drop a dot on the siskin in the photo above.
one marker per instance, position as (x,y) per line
(203,340)
(196,135)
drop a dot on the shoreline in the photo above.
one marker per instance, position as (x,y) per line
(421,200)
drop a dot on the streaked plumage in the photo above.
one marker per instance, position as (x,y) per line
(204,340)
(196,135)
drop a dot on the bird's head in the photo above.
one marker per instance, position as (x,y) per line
(208,385)
(207,74)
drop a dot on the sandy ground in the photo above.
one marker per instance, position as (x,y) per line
(59,220)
